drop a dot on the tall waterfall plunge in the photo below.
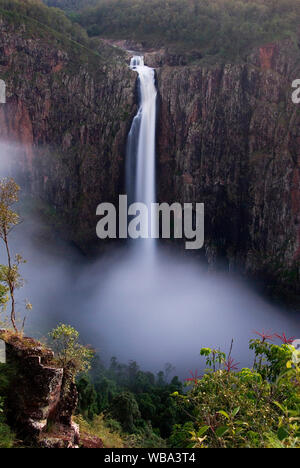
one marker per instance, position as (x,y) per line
(150,311)
(140,177)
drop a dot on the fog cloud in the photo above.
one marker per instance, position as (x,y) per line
(149,311)
(153,312)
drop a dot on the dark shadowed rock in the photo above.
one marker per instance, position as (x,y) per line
(228,136)
(70,110)
(90,442)
(41,398)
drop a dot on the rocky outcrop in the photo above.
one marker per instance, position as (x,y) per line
(41,398)
(154,57)
(90,442)
(229,137)
(67,114)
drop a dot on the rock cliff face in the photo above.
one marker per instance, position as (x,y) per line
(71,111)
(41,400)
(229,137)
(37,398)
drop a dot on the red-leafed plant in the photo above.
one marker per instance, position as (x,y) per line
(265,336)
(284,338)
(195,377)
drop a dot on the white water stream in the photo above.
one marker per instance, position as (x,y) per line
(141,143)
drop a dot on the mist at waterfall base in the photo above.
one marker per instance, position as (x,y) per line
(157,311)
(166,311)
(150,312)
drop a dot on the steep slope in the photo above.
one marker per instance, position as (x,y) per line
(70,109)
(229,136)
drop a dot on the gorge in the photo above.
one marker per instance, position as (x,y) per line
(218,128)
(150,225)
(227,135)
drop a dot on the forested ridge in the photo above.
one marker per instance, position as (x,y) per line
(54,27)
(225,28)
(228,28)
(71,5)
(52,18)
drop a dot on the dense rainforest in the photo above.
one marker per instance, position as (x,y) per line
(223,28)
(225,407)
(217,27)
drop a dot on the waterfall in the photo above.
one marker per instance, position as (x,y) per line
(140,178)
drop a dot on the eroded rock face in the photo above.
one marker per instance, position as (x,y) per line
(60,437)
(70,110)
(41,399)
(229,137)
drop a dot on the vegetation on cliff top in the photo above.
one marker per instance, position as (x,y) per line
(53,25)
(51,17)
(70,355)
(71,5)
(225,29)
(228,28)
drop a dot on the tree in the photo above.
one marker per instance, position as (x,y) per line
(69,353)
(87,401)
(3,289)
(160,379)
(169,370)
(106,390)
(10,277)
(124,408)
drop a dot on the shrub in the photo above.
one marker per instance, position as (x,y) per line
(250,408)
(7,438)
(124,408)
(99,427)
(69,353)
